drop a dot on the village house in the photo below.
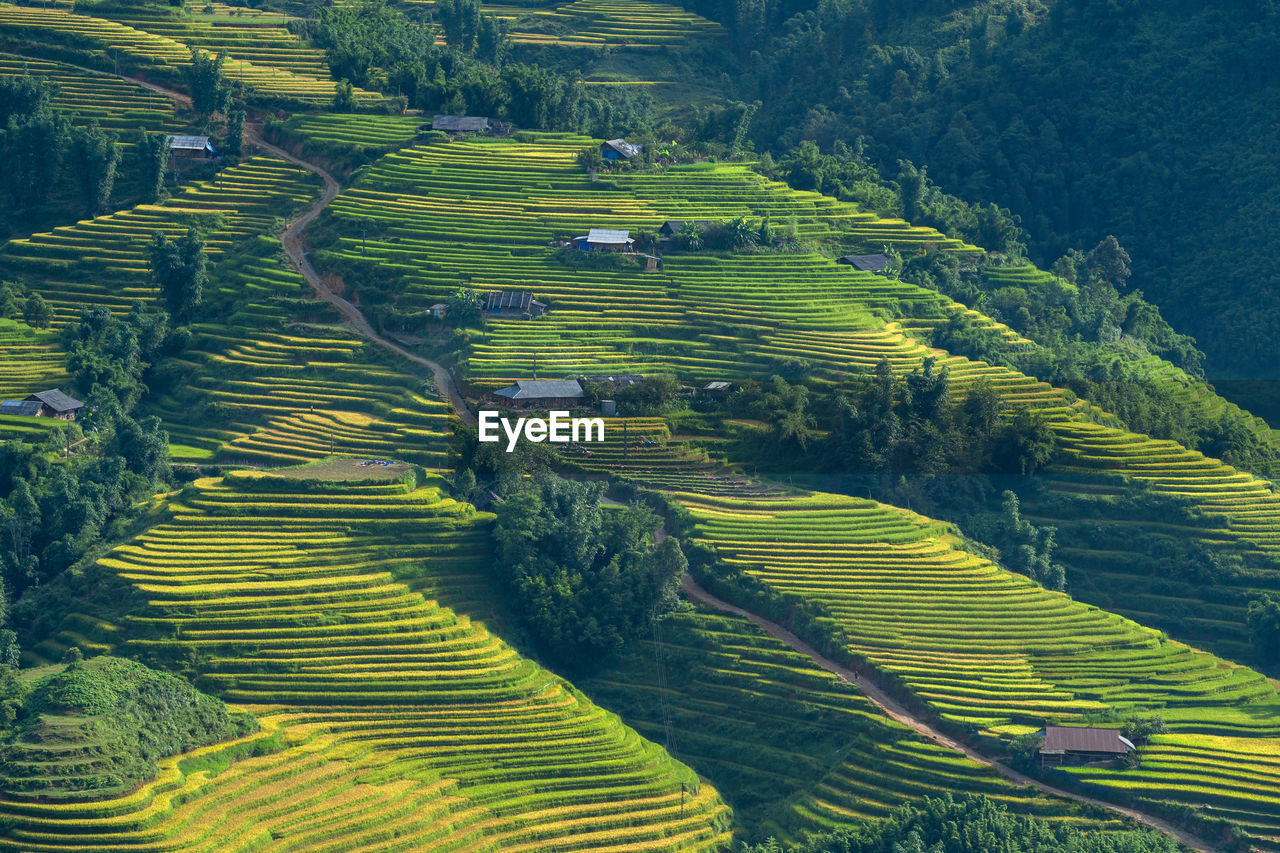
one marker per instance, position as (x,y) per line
(191,147)
(620,149)
(540,394)
(1082,745)
(439,311)
(605,240)
(457,125)
(716,389)
(46,404)
(878,264)
(512,303)
(672,227)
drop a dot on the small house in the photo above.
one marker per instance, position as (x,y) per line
(1082,745)
(190,147)
(649,263)
(458,125)
(672,227)
(716,389)
(513,303)
(620,149)
(55,404)
(878,264)
(439,311)
(605,240)
(540,394)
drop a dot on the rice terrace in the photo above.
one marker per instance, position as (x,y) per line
(810,426)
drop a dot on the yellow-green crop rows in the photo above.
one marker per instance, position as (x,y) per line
(157,50)
(28,358)
(103,261)
(110,101)
(791,747)
(987,647)
(407,726)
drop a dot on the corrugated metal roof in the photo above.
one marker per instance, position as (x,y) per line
(608,235)
(538,389)
(716,386)
(188,143)
(56,400)
(459,123)
(21,408)
(866,263)
(1084,739)
(625,148)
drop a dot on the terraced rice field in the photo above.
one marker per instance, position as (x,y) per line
(406,726)
(111,102)
(147,44)
(792,747)
(28,358)
(986,647)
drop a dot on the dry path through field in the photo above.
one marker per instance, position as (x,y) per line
(898,712)
(295,248)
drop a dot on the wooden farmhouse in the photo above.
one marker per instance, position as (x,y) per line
(191,147)
(620,149)
(540,394)
(1082,745)
(605,240)
(46,404)
(513,303)
(878,264)
(458,125)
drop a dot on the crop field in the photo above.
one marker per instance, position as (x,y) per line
(30,358)
(251,60)
(404,723)
(790,746)
(983,646)
(111,102)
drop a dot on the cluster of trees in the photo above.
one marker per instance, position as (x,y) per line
(1263,620)
(885,426)
(1074,116)
(31,308)
(971,824)
(178,270)
(375,46)
(582,579)
(53,514)
(45,156)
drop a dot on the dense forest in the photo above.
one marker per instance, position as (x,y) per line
(1151,121)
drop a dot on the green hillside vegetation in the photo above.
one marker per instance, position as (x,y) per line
(792,748)
(94,729)
(929,615)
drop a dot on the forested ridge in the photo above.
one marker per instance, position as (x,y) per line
(1152,121)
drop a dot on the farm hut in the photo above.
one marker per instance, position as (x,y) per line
(672,227)
(460,124)
(650,263)
(878,264)
(540,394)
(605,240)
(716,389)
(513,303)
(21,408)
(1082,745)
(439,311)
(191,147)
(619,149)
(55,404)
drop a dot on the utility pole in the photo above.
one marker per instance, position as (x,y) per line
(535,365)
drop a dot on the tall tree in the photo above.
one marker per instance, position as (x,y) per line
(235,131)
(207,82)
(33,149)
(94,159)
(178,270)
(151,154)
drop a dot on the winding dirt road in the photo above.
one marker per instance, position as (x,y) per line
(896,710)
(295,248)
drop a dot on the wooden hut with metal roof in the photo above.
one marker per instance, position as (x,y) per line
(1083,745)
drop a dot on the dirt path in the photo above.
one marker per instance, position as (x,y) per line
(896,710)
(295,248)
